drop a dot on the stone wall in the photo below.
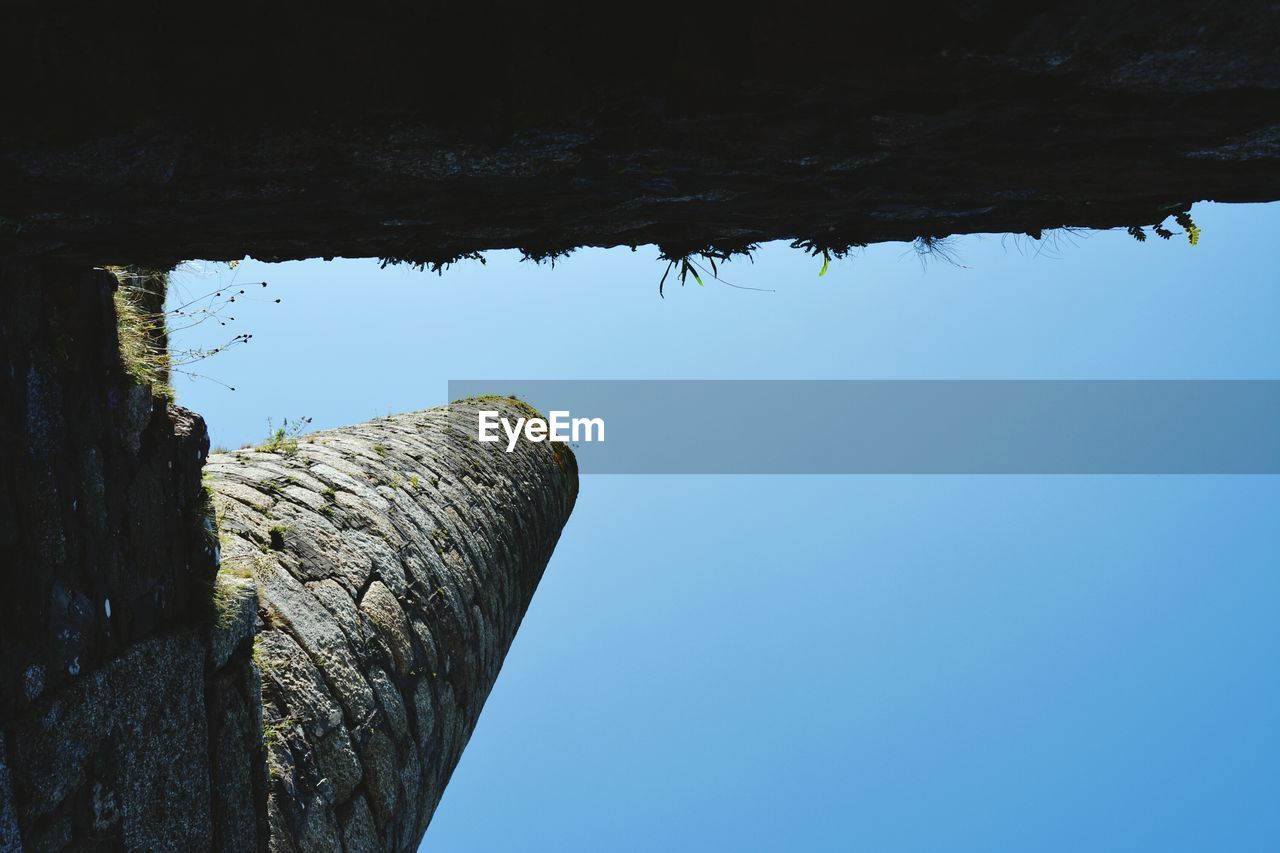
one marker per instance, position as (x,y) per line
(306,682)
(107,562)
(394,560)
(126,757)
(102,532)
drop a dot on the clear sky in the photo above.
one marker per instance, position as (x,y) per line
(842,663)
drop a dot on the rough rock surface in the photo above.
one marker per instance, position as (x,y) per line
(394,561)
(106,572)
(424,131)
(388,564)
(141,754)
(102,538)
(10,839)
(372,581)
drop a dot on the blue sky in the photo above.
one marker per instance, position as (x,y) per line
(842,663)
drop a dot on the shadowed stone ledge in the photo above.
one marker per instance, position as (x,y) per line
(450,128)
(394,561)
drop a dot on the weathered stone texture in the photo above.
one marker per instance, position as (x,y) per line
(373,579)
(119,758)
(158,750)
(395,560)
(101,533)
(10,840)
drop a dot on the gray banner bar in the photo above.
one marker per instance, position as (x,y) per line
(913,427)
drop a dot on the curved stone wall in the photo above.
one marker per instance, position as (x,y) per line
(393,561)
(369,584)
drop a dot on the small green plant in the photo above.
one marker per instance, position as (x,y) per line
(274,731)
(142,338)
(501,399)
(243,567)
(436,264)
(276,535)
(1185,222)
(284,438)
(208,511)
(259,657)
(227,597)
(1188,225)
(540,255)
(686,268)
(379,449)
(413,482)
(931,248)
(329,495)
(690,261)
(827,251)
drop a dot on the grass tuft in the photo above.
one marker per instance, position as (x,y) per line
(141,331)
(284,438)
(930,248)
(228,592)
